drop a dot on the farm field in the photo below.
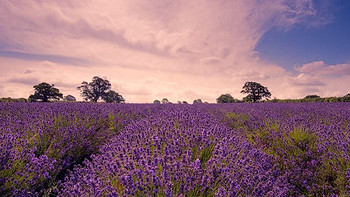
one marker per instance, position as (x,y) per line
(247,149)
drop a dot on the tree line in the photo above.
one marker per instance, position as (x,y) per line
(100,90)
(97,89)
(255,92)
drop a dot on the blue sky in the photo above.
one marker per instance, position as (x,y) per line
(304,43)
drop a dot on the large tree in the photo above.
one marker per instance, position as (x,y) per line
(225,98)
(95,90)
(255,91)
(113,97)
(45,92)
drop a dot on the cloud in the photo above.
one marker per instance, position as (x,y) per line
(307,80)
(28,71)
(320,68)
(181,50)
(44,57)
(26,81)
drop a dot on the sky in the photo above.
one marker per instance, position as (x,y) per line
(180,50)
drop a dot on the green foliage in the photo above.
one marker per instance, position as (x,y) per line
(225,98)
(203,154)
(289,149)
(156,102)
(9,99)
(69,98)
(206,154)
(312,97)
(298,149)
(113,97)
(45,92)
(332,172)
(236,121)
(255,91)
(99,89)
(165,101)
(197,101)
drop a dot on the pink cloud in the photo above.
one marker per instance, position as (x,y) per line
(181,50)
(320,68)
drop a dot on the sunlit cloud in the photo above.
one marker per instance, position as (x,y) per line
(180,50)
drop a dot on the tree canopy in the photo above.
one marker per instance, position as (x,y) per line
(95,90)
(45,92)
(165,101)
(313,96)
(113,97)
(255,91)
(225,98)
(69,98)
(99,89)
(197,101)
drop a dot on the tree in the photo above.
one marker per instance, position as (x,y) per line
(69,98)
(45,92)
(156,102)
(197,101)
(312,97)
(255,91)
(95,90)
(345,98)
(113,97)
(165,101)
(225,98)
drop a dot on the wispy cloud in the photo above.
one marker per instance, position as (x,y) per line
(45,57)
(26,81)
(182,50)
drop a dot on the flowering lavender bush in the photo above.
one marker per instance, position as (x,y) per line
(264,149)
(309,143)
(40,142)
(179,151)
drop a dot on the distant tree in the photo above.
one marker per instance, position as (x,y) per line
(9,99)
(184,102)
(113,97)
(345,98)
(225,98)
(156,102)
(95,90)
(255,91)
(179,102)
(45,92)
(69,98)
(312,97)
(165,101)
(247,99)
(197,101)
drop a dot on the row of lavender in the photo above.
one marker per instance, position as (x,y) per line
(309,142)
(174,150)
(180,151)
(39,143)
(225,150)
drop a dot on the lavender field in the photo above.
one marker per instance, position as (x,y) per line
(262,149)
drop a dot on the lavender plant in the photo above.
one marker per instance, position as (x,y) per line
(258,149)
